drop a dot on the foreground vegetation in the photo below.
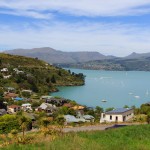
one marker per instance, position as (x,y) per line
(126,138)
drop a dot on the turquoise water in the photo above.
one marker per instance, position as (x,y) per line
(119,88)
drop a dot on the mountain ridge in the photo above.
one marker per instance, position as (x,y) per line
(51,55)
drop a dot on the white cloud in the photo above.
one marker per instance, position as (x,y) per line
(81,7)
(25,13)
(116,39)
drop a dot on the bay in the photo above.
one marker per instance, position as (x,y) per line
(119,88)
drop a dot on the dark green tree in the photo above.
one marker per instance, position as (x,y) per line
(53,80)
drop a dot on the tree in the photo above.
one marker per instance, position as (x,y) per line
(44,123)
(47,80)
(59,73)
(26,94)
(98,110)
(53,80)
(109,109)
(24,123)
(14,134)
(148,118)
(60,121)
(69,71)
(126,106)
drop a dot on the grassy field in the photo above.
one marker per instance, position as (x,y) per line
(127,138)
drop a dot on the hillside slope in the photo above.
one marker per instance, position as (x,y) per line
(34,74)
(126,138)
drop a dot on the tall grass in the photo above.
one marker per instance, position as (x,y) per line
(127,138)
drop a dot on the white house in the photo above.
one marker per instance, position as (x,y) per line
(13,108)
(46,97)
(18,71)
(117,115)
(26,107)
(27,91)
(48,108)
(7,77)
(15,69)
(4,70)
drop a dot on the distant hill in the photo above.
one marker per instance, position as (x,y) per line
(53,56)
(116,64)
(137,55)
(87,60)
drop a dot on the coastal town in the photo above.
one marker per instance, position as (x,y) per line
(27,107)
(29,104)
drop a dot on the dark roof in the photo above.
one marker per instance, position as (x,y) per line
(3,112)
(118,110)
(148,103)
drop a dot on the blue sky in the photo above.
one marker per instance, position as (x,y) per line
(112,27)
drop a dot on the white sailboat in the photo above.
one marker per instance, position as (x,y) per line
(104,100)
(130,93)
(147,93)
(137,97)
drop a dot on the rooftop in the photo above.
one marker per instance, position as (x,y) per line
(18,99)
(13,106)
(118,110)
(27,104)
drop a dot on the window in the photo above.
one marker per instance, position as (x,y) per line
(116,118)
(110,117)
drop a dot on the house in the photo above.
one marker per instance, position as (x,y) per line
(148,103)
(20,72)
(17,71)
(10,95)
(7,77)
(69,105)
(48,108)
(88,118)
(26,107)
(46,97)
(73,119)
(117,115)
(4,70)
(78,107)
(13,108)
(3,112)
(28,91)
(10,89)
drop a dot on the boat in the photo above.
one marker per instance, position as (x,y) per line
(137,97)
(147,93)
(130,93)
(104,100)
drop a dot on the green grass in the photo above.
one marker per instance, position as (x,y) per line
(127,138)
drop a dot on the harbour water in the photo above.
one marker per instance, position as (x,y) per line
(117,88)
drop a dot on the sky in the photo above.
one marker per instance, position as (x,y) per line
(111,27)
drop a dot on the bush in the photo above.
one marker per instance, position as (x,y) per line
(8,123)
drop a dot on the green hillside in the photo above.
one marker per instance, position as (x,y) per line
(126,138)
(35,74)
